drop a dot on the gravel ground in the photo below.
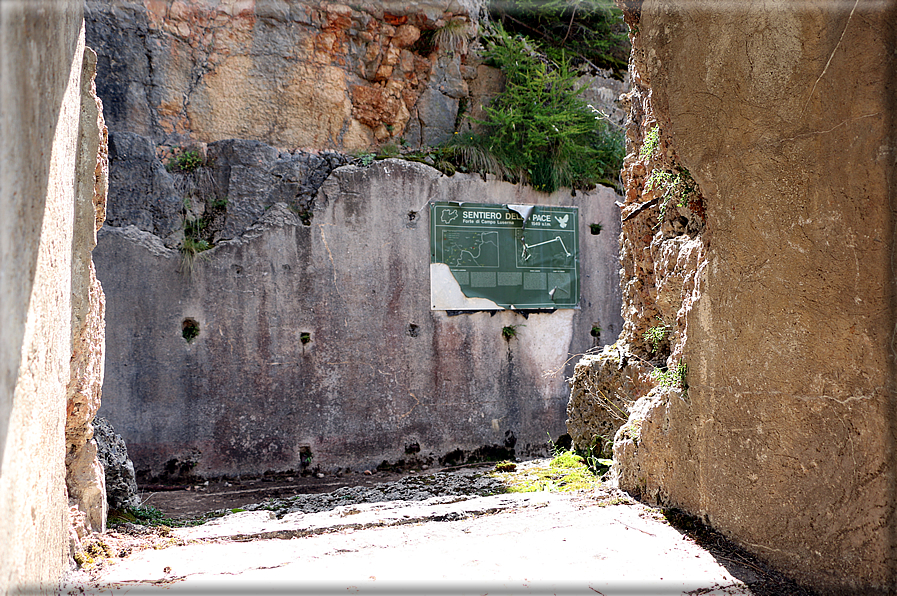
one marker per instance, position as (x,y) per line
(471,482)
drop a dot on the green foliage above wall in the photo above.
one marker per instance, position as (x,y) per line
(587,31)
(539,130)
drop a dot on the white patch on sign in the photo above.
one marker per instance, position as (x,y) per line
(446,294)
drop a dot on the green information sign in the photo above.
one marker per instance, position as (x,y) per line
(515,256)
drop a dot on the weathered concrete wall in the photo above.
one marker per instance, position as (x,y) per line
(380,377)
(50,177)
(778,286)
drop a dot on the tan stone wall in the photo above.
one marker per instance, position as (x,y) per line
(783,302)
(42,161)
(85,479)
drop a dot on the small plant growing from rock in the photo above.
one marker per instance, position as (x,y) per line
(389,150)
(673,377)
(676,184)
(509,332)
(185,161)
(195,235)
(592,454)
(190,250)
(650,143)
(453,36)
(365,159)
(655,336)
(189,330)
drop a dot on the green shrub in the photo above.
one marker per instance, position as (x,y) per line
(655,336)
(185,161)
(592,31)
(539,130)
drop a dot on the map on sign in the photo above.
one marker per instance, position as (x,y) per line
(470,249)
(496,255)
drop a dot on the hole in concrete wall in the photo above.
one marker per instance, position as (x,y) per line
(189,329)
(305,456)
(305,337)
(413,330)
(510,439)
(595,228)
(412,215)
(596,331)
(237,269)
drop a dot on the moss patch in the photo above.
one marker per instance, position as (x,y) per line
(567,472)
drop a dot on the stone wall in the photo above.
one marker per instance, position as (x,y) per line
(287,72)
(315,345)
(271,94)
(51,196)
(777,285)
(85,479)
(297,73)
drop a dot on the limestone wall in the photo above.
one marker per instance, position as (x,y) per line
(51,189)
(290,73)
(297,73)
(775,278)
(316,345)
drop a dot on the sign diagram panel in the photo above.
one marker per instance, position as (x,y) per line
(485,256)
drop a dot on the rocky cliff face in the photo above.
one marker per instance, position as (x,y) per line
(292,74)
(758,231)
(304,337)
(296,74)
